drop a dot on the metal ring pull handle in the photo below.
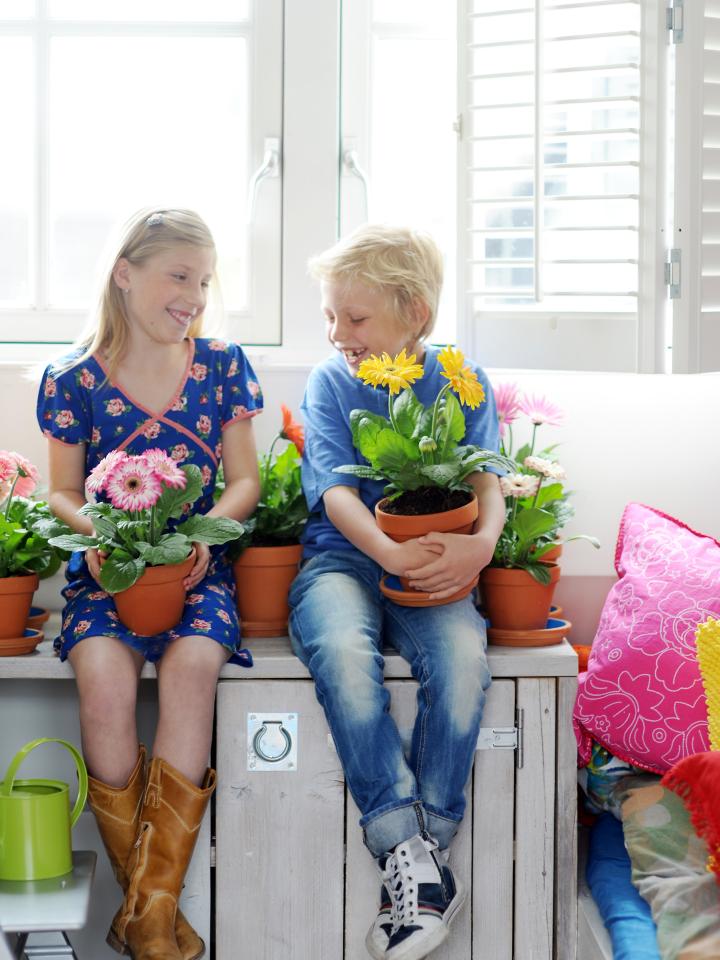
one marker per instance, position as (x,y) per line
(276,737)
(269,167)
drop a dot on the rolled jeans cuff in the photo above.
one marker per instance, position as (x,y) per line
(440,826)
(385,830)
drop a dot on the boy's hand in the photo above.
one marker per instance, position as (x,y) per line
(460,563)
(409,555)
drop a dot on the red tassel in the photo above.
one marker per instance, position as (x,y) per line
(696,780)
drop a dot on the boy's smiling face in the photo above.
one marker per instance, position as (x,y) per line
(360,322)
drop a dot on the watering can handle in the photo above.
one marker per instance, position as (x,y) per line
(7,784)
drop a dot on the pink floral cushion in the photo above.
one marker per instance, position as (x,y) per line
(642,696)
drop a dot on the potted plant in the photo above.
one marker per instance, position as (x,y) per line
(146,549)
(418,450)
(26,553)
(518,585)
(267,554)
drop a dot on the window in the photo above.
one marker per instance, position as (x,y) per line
(125,104)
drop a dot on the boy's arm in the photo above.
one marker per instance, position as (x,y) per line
(463,556)
(356,523)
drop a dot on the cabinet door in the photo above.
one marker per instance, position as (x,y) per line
(279,835)
(489,886)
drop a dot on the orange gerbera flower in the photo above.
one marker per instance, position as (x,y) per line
(292,430)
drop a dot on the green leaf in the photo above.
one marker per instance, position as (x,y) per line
(453,429)
(546,495)
(359,470)
(532,523)
(172,548)
(73,541)
(522,453)
(365,427)
(210,529)
(120,571)
(172,501)
(407,413)
(539,572)
(441,474)
(394,451)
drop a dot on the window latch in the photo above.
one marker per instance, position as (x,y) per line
(675,19)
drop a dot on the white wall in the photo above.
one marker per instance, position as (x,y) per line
(626,437)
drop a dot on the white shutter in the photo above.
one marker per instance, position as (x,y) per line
(696,315)
(551,163)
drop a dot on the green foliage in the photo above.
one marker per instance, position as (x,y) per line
(25,535)
(281,512)
(417,446)
(132,540)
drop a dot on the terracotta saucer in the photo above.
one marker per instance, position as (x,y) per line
(391,588)
(17,646)
(552,633)
(37,617)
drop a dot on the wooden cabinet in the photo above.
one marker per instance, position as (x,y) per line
(293,878)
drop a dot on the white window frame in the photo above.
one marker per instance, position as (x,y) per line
(538,338)
(261,322)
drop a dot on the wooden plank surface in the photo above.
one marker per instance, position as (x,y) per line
(279,855)
(566,902)
(274,659)
(493,834)
(535,822)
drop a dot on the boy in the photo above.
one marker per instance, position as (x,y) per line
(380,291)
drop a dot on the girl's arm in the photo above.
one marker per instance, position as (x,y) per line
(463,557)
(356,523)
(242,488)
(66,463)
(240,467)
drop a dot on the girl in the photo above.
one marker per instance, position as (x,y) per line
(140,380)
(380,289)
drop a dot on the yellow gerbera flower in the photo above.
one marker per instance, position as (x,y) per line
(394,374)
(462,379)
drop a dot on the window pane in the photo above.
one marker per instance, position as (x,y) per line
(165,10)
(17,9)
(16,168)
(156,135)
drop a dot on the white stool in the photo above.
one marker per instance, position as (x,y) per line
(57,905)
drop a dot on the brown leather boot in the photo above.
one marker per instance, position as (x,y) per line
(117,812)
(170,819)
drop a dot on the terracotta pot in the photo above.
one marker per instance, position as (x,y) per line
(16,595)
(156,602)
(37,617)
(583,652)
(513,600)
(401,527)
(552,556)
(263,576)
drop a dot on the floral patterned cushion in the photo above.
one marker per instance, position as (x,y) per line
(642,696)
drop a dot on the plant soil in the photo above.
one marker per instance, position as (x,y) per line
(427,500)
(273,542)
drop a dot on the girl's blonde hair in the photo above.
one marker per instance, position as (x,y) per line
(146,233)
(405,264)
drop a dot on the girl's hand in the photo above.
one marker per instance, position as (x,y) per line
(92,558)
(460,563)
(202,561)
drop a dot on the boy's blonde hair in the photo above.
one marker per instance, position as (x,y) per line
(145,234)
(405,264)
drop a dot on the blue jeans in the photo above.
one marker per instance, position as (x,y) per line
(338,621)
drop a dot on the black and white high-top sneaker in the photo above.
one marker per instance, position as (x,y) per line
(378,936)
(425,898)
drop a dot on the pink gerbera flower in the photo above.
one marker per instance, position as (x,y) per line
(15,465)
(98,475)
(165,468)
(507,401)
(133,485)
(541,410)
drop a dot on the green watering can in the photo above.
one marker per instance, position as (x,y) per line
(35,820)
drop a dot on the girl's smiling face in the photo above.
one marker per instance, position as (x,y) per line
(360,322)
(166,292)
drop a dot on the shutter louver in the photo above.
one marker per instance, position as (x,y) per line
(553,155)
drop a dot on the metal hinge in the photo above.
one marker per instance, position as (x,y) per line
(212,854)
(673,273)
(675,20)
(504,738)
(458,126)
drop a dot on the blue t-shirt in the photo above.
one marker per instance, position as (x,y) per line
(331,393)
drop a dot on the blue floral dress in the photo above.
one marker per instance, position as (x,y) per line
(83,405)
